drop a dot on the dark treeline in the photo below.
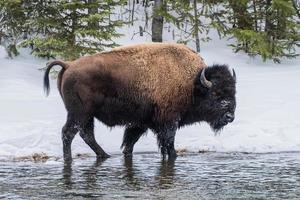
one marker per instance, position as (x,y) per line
(70,28)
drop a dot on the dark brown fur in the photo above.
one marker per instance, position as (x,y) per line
(140,87)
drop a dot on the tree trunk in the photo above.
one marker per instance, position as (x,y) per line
(92,11)
(255,15)
(133,10)
(196,29)
(268,23)
(296,5)
(269,26)
(145,4)
(242,19)
(157,22)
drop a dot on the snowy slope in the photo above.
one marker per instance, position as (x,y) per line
(267,115)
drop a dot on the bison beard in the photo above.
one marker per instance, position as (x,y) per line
(157,86)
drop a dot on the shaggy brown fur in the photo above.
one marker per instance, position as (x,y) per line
(142,86)
(161,73)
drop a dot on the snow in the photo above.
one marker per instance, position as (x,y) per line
(267,114)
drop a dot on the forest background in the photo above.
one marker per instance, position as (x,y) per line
(68,29)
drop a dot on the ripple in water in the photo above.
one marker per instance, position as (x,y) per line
(147,176)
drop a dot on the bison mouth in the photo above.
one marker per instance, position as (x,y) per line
(217,126)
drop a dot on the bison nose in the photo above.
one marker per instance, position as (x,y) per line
(229,117)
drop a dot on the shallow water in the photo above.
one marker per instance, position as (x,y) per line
(147,176)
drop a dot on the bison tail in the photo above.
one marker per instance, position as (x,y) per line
(46,75)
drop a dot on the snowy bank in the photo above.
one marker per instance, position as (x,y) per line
(267,114)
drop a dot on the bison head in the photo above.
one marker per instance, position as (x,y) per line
(214,96)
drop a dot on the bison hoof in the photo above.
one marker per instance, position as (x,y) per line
(68,161)
(127,155)
(172,155)
(103,156)
(127,152)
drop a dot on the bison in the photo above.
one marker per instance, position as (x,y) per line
(156,86)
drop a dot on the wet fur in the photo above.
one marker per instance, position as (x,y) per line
(207,101)
(155,86)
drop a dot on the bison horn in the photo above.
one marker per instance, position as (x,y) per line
(234,75)
(206,83)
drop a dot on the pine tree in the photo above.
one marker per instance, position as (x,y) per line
(285,34)
(69,29)
(12,26)
(268,28)
(186,16)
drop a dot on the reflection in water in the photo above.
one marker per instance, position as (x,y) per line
(91,174)
(129,173)
(146,176)
(135,178)
(166,173)
(67,175)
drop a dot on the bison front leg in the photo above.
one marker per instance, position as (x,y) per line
(87,134)
(166,139)
(131,136)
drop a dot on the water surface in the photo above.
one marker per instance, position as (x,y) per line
(147,176)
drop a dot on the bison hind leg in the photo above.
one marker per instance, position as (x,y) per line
(87,134)
(68,133)
(131,135)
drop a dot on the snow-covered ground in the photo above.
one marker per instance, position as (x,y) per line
(267,114)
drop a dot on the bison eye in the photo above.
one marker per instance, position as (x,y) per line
(224,103)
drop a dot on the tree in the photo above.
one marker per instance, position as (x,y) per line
(71,28)
(74,28)
(12,26)
(266,28)
(65,29)
(196,26)
(296,5)
(186,16)
(157,21)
